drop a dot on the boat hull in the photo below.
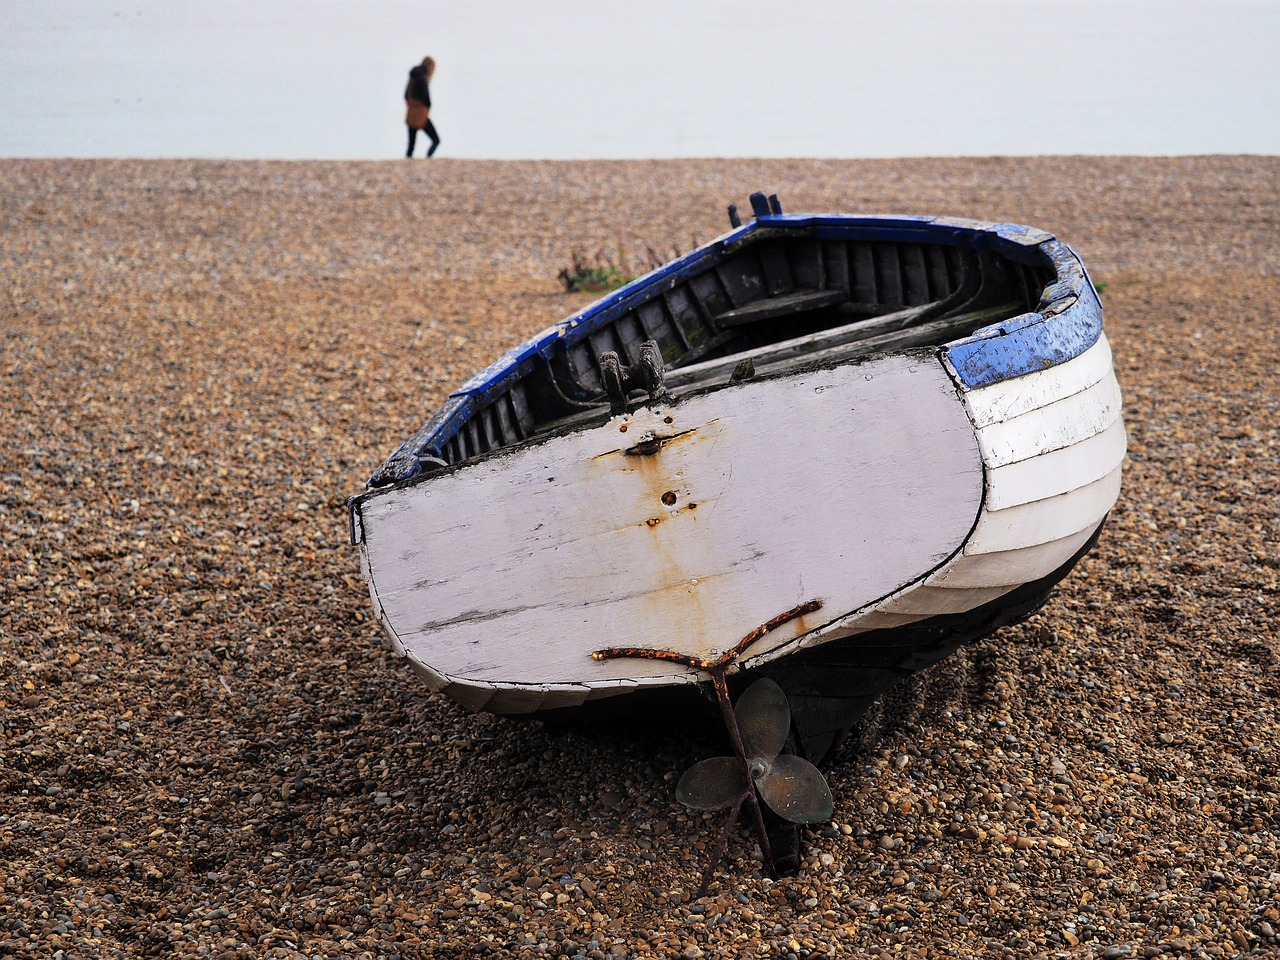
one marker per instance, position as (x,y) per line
(879,488)
(910,428)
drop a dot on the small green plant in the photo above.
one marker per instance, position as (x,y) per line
(602,272)
(595,275)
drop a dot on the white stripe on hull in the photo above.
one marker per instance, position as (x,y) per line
(1045,498)
(1008,568)
(1044,521)
(1058,472)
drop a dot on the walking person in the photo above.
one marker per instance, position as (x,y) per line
(417,105)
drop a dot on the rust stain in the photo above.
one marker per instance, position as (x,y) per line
(650,487)
(645,448)
(651,444)
(648,445)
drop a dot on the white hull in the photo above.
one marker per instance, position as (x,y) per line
(883,488)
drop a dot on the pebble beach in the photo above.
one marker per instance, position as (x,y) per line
(207,751)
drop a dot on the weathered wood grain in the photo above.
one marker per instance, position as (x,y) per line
(794,301)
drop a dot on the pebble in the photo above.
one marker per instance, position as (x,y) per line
(206,750)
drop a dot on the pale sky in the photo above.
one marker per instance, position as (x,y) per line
(322,79)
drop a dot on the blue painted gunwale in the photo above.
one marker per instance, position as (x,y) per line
(1067,321)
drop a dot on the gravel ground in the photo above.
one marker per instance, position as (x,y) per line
(205,750)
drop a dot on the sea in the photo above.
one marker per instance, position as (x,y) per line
(606,79)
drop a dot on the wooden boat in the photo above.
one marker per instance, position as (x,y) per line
(878,436)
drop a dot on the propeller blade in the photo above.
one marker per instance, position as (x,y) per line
(712,784)
(795,790)
(764,719)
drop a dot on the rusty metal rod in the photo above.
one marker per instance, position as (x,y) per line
(741,646)
(717,670)
(735,736)
(699,663)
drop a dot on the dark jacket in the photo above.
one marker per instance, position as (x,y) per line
(417,86)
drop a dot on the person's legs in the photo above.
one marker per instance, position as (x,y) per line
(413,138)
(430,131)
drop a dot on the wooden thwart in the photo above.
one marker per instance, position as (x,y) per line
(859,338)
(780,306)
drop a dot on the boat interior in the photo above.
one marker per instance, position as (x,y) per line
(777,298)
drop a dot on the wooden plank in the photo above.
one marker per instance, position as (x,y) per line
(779,306)
(932,601)
(807,264)
(431,679)
(490,428)
(951,272)
(862,270)
(915,275)
(516,700)
(473,696)
(681,307)
(890,274)
(777,269)
(1057,472)
(742,277)
(1060,424)
(805,348)
(931,333)
(875,618)
(865,310)
(836,265)
(1046,520)
(520,404)
(1012,398)
(558,696)
(709,292)
(506,421)
(630,329)
(514,568)
(710,345)
(1010,568)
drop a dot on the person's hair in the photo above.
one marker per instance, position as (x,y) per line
(429,64)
